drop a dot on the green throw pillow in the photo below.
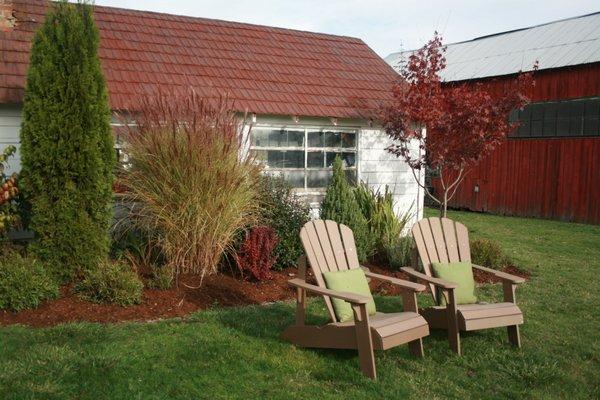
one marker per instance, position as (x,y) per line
(352,281)
(460,273)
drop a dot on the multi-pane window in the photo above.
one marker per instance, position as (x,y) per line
(570,118)
(304,156)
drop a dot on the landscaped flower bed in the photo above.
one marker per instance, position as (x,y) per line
(222,290)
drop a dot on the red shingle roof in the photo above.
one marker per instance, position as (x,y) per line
(262,69)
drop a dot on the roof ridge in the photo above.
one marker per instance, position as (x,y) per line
(222,22)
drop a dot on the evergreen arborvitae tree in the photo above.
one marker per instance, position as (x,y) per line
(341,206)
(66,142)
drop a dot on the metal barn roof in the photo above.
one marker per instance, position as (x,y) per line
(571,41)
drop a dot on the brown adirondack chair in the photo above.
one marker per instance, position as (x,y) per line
(330,246)
(444,240)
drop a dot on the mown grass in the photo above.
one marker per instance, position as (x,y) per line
(236,353)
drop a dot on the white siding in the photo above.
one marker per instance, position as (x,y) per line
(379,168)
(10,124)
(376,166)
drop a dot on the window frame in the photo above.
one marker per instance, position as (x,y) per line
(309,149)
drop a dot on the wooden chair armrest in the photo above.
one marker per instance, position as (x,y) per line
(435,281)
(415,287)
(502,275)
(346,296)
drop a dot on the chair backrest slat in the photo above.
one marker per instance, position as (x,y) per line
(462,237)
(440,240)
(329,246)
(339,253)
(349,247)
(449,229)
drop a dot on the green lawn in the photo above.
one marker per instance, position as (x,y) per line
(236,353)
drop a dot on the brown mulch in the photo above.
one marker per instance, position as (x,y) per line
(222,290)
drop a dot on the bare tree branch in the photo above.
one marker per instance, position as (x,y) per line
(424,187)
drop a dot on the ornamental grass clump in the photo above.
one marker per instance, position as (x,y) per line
(191,188)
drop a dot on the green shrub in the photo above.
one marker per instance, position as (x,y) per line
(192,192)
(24,282)
(286,214)
(111,282)
(67,152)
(340,205)
(161,277)
(398,252)
(488,253)
(378,208)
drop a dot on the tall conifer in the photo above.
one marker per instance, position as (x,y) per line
(66,141)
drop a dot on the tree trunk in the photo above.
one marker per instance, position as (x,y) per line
(444,205)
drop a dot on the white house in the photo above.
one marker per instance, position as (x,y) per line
(312,95)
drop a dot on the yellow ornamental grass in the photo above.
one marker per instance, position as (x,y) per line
(190,189)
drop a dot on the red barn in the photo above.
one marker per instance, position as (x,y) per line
(549,167)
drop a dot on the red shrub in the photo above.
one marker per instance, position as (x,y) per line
(256,253)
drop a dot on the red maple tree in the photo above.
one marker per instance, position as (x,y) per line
(454,124)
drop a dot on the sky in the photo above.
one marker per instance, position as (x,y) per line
(385,25)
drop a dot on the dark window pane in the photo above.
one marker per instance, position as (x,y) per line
(275,159)
(513,116)
(549,127)
(293,159)
(315,159)
(590,126)
(575,126)
(577,107)
(564,109)
(524,128)
(592,108)
(562,127)
(537,111)
(351,176)
(315,139)
(277,138)
(536,128)
(318,179)
(333,139)
(348,159)
(348,139)
(260,137)
(295,178)
(295,138)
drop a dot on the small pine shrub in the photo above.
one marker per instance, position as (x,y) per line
(488,253)
(24,282)
(111,282)
(340,205)
(256,253)
(286,213)
(398,252)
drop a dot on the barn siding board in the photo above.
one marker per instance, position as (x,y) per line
(547,178)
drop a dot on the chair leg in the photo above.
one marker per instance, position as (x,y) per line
(453,332)
(364,341)
(416,348)
(514,337)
